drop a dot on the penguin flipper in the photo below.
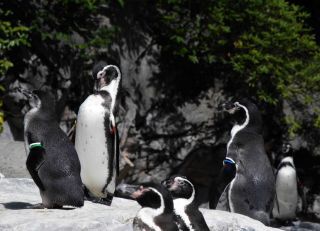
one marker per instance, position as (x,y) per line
(34,162)
(117,152)
(223,203)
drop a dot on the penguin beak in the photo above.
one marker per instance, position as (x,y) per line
(170,184)
(25,92)
(126,190)
(229,107)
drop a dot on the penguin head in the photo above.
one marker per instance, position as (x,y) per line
(242,110)
(153,196)
(180,187)
(33,100)
(104,74)
(286,149)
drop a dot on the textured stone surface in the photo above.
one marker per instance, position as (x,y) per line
(13,159)
(16,194)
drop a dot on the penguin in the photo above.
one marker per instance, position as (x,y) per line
(52,160)
(156,213)
(251,191)
(286,202)
(97,139)
(187,212)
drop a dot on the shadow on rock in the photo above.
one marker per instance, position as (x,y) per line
(16,205)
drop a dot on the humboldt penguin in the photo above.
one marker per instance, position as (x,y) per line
(251,192)
(52,160)
(97,139)
(156,213)
(286,201)
(186,210)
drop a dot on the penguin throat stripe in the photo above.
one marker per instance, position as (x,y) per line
(35,145)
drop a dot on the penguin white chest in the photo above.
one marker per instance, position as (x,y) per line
(91,145)
(287,194)
(28,117)
(179,208)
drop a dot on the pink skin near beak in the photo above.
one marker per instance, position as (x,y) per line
(173,186)
(139,192)
(101,79)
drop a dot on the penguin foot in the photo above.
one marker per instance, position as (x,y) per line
(104,201)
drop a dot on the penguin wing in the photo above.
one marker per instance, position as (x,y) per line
(113,148)
(139,225)
(116,143)
(223,203)
(197,219)
(34,162)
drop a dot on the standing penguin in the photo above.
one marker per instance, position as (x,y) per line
(252,190)
(187,211)
(52,159)
(97,140)
(156,213)
(286,201)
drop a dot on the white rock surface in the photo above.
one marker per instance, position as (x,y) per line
(17,193)
(13,159)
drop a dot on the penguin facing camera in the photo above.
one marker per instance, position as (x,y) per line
(252,190)
(97,139)
(187,212)
(156,213)
(287,190)
(52,160)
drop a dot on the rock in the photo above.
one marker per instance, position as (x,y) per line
(17,193)
(13,159)
(303,226)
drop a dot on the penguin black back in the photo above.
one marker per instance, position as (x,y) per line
(52,160)
(157,208)
(187,211)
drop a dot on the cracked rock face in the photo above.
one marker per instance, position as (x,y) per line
(17,193)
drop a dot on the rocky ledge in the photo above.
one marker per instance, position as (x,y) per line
(16,194)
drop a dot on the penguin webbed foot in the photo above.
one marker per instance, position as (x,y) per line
(105,201)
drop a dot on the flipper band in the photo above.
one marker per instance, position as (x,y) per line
(228,160)
(34,145)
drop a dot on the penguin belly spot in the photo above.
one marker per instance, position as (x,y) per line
(91,145)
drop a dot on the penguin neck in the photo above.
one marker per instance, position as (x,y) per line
(148,215)
(48,109)
(180,206)
(112,88)
(252,121)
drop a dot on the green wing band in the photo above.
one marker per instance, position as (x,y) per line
(34,145)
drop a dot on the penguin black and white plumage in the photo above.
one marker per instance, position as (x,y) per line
(52,160)
(97,139)
(156,213)
(189,218)
(286,201)
(252,190)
